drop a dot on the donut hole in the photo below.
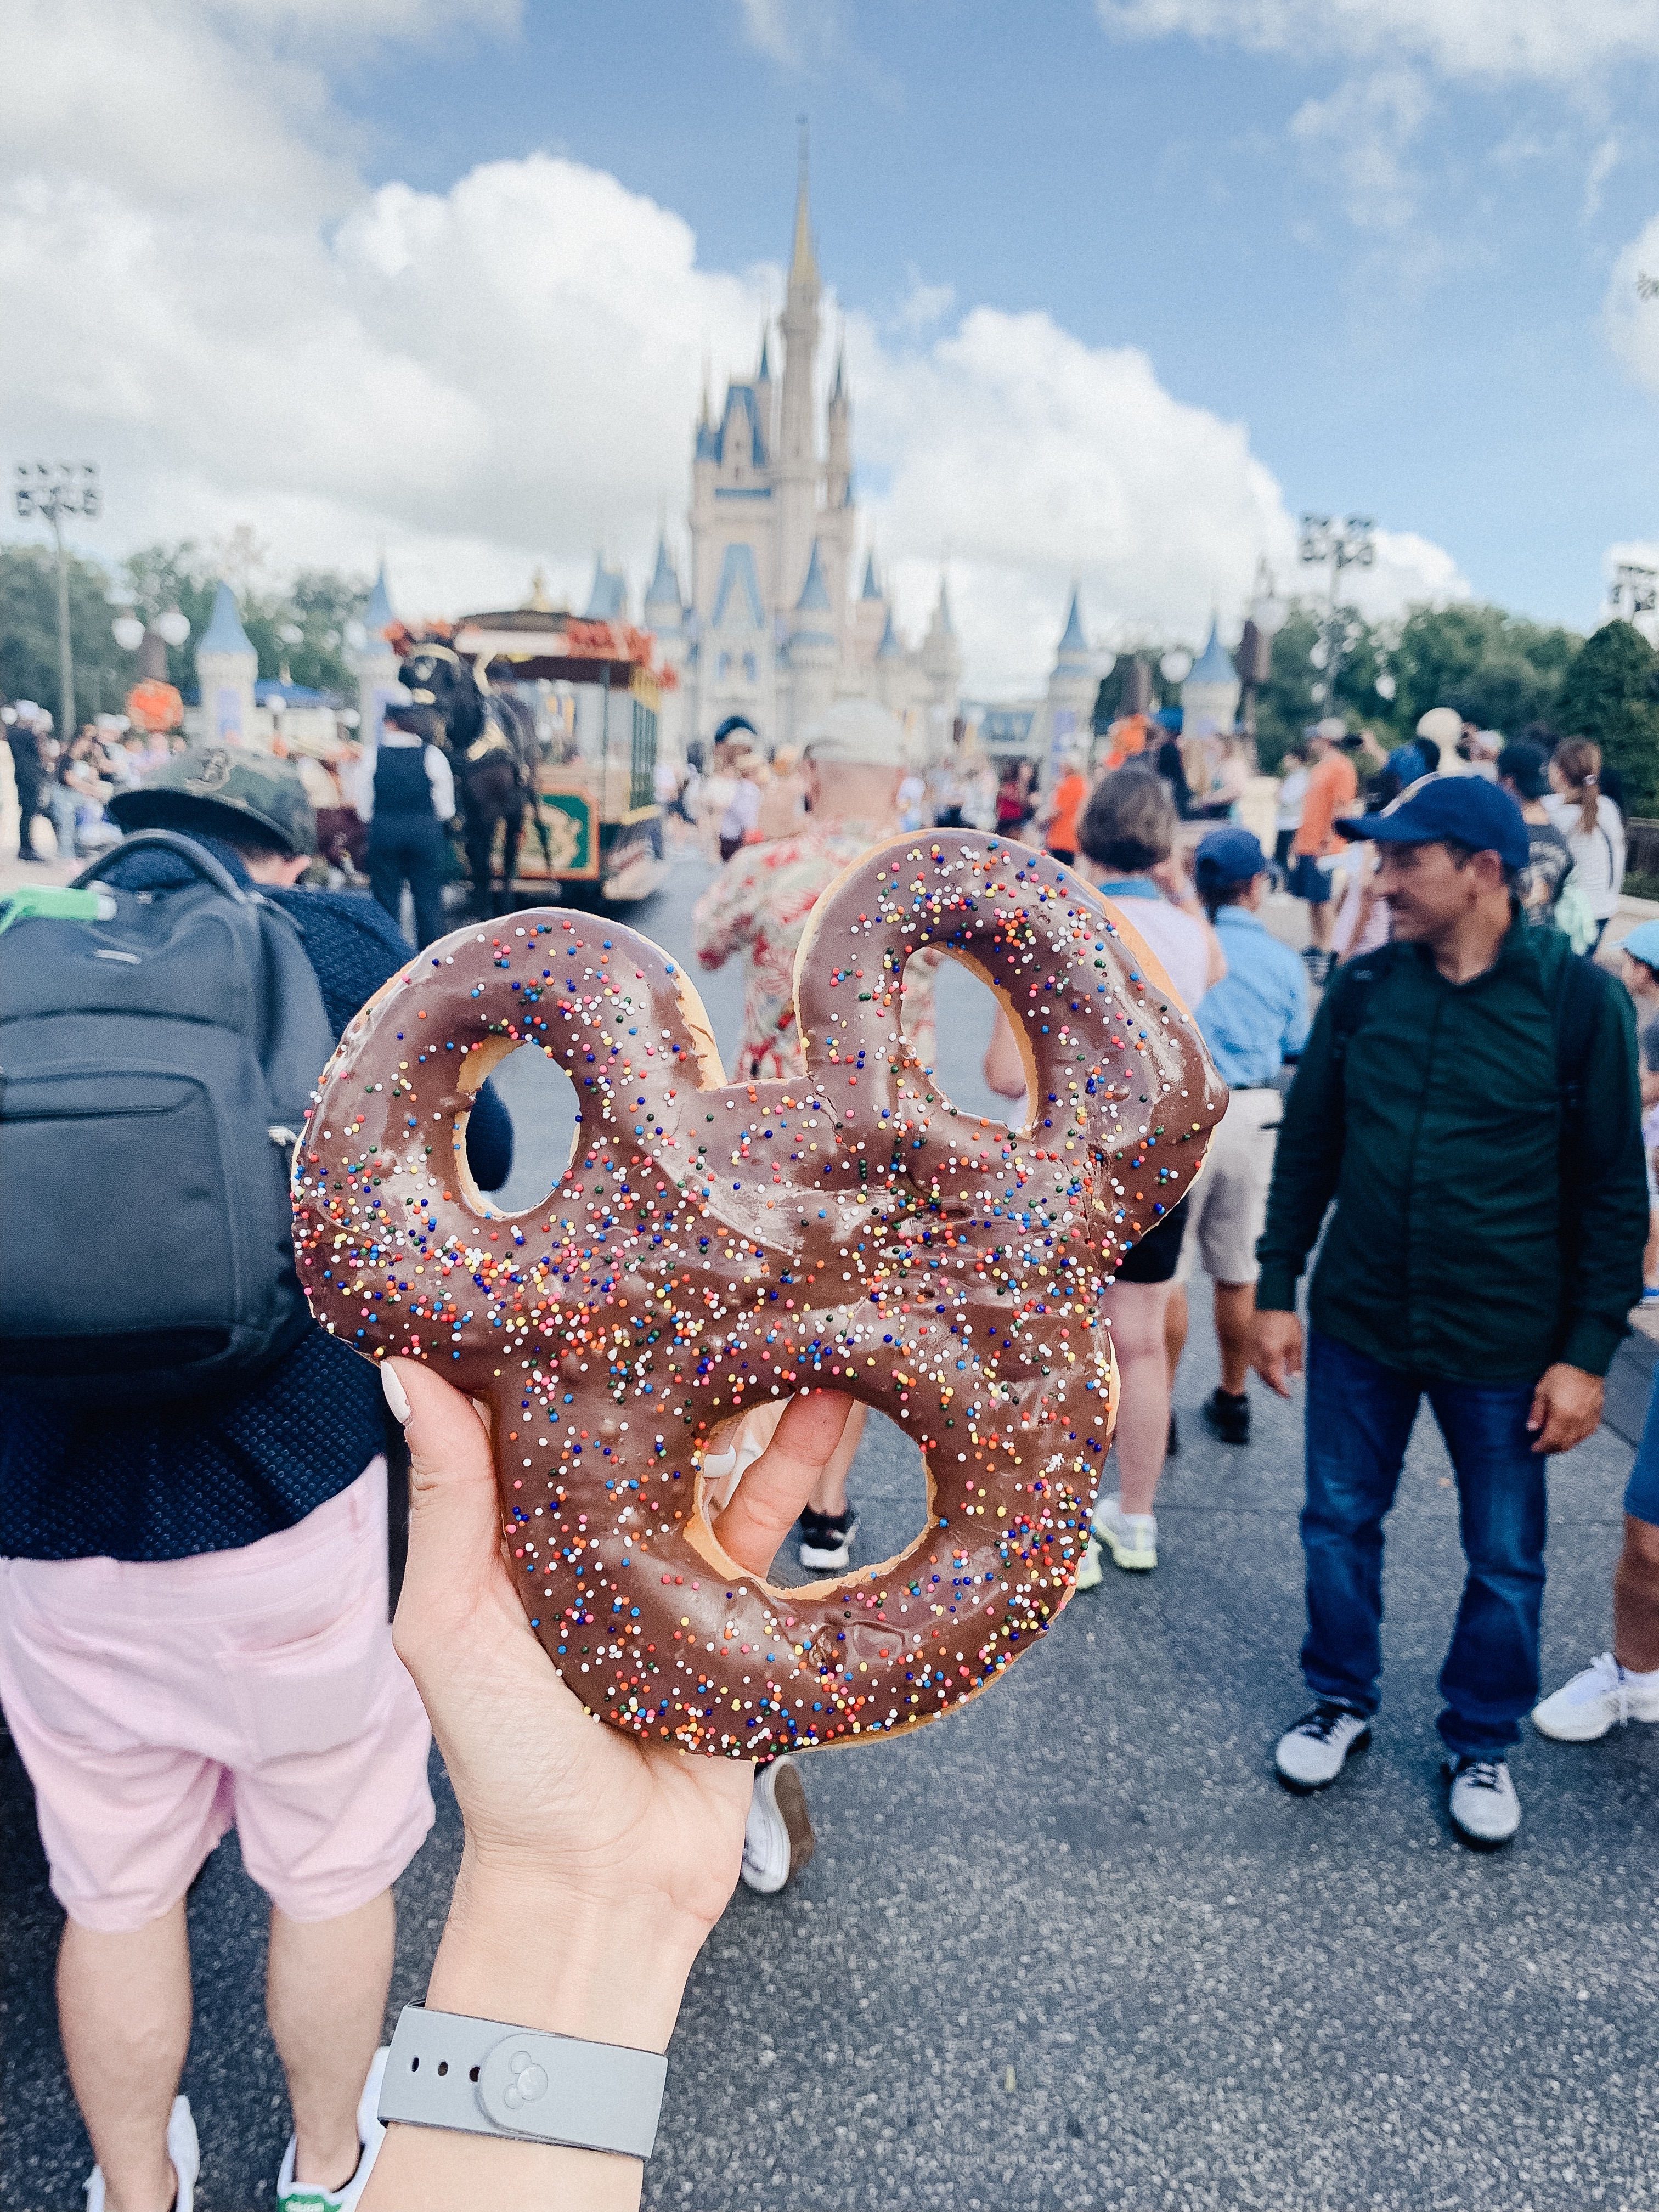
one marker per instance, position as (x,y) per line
(542,1101)
(887,1488)
(967,1010)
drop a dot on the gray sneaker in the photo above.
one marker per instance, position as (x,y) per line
(1310,1755)
(778,1840)
(1485,1810)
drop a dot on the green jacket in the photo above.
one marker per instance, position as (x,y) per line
(1438,1134)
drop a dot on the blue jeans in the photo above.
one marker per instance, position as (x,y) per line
(1359,1418)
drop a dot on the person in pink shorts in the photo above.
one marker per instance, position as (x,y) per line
(194,1635)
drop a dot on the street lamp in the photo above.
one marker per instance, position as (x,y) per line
(1634,591)
(53,492)
(1346,544)
(150,640)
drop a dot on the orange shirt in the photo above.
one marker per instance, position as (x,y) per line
(1069,794)
(1333,789)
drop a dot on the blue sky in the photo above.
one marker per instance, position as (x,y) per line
(1128,285)
(1433,354)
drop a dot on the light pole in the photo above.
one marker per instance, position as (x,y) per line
(52,493)
(1344,544)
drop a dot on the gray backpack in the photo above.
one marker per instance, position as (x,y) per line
(157,1051)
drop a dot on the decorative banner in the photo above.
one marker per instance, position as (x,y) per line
(155,706)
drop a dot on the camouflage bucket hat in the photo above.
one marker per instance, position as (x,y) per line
(223,791)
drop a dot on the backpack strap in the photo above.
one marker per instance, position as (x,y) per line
(164,840)
(1352,997)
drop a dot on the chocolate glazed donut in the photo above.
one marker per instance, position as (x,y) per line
(711,1247)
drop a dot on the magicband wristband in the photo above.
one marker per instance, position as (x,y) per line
(483,2077)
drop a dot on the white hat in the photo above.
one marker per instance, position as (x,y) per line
(27,710)
(1332,728)
(856,733)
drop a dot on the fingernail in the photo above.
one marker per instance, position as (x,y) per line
(396,1396)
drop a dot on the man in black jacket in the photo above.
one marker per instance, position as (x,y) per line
(193,1634)
(1469,1099)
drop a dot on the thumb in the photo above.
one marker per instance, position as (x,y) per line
(454,1520)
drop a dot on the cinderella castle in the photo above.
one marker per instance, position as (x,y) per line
(767,627)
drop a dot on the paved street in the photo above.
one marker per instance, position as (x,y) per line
(1074,1948)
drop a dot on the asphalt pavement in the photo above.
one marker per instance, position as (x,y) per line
(1073,1948)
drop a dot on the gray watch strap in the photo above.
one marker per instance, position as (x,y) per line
(446,2069)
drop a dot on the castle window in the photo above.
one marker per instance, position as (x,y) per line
(723,667)
(750,669)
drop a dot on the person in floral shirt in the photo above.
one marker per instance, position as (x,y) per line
(758,906)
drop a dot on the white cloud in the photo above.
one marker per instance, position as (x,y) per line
(1364,131)
(1553,41)
(506,373)
(1631,309)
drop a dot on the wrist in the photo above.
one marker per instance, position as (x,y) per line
(539,1953)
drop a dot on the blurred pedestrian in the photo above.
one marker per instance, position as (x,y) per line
(1590,823)
(1469,1099)
(1521,773)
(741,821)
(405,791)
(1333,788)
(783,796)
(1287,812)
(193,1575)
(1622,1685)
(1126,835)
(1255,1020)
(1013,805)
(1060,811)
(26,735)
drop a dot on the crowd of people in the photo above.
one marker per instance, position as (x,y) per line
(1441,1103)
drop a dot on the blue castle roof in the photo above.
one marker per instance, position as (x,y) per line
(814,593)
(665,590)
(608,599)
(224,634)
(1073,646)
(889,648)
(742,418)
(871,588)
(379,613)
(738,582)
(1214,664)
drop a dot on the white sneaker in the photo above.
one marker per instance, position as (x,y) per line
(1131,1538)
(1089,1568)
(1588,1705)
(1310,1755)
(182,2149)
(1485,1810)
(778,1840)
(293,2196)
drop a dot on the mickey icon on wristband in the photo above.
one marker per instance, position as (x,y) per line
(526,2080)
(714,1247)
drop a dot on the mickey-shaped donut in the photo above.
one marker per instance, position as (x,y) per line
(714,1247)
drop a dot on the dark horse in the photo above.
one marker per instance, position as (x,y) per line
(490,739)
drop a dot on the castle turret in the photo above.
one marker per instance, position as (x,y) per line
(797,455)
(665,617)
(941,670)
(1065,721)
(812,649)
(226,666)
(870,615)
(1210,695)
(373,663)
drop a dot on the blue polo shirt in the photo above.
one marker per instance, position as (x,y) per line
(1257,1014)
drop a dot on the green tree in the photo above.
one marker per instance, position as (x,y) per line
(1607,696)
(28,633)
(160,577)
(1285,705)
(1497,670)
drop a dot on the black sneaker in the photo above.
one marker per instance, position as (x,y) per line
(1227,1417)
(1172,1442)
(826,1540)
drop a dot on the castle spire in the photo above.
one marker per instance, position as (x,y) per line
(804,268)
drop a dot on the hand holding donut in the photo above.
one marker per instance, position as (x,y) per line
(711,1248)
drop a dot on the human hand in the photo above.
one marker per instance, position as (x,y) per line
(593,1866)
(1566,1407)
(1276,1349)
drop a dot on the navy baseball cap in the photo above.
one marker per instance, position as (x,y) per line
(1463,810)
(1229,856)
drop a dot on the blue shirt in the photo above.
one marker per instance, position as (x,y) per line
(1257,1014)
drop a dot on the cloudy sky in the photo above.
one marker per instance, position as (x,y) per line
(1127,286)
